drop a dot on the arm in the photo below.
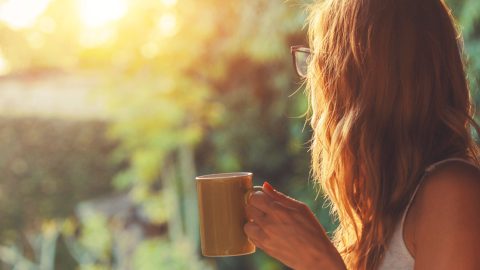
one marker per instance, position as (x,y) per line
(447,229)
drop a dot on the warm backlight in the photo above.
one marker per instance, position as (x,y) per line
(4,67)
(97,13)
(167,24)
(169,2)
(20,14)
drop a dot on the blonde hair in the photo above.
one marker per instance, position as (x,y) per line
(389,96)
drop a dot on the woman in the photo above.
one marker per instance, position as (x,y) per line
(392,148)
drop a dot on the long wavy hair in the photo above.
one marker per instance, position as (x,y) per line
(388,96)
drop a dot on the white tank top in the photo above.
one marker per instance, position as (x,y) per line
(397,256)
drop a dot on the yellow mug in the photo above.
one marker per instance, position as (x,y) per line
(221,204)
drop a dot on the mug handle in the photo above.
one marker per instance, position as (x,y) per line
(249,192)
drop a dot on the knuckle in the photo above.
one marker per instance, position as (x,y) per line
(301,211)
(287,198)
(279,208)
(303,206)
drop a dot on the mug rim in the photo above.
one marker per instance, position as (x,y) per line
(229,175)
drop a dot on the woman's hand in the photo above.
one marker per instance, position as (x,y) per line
(287,230)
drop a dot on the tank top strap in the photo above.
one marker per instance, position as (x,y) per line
(437,164)
(428,170)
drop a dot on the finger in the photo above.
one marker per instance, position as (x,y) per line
(265,222)
(281,211)
(284,199)
(253,213)
(255,234)
(261,201)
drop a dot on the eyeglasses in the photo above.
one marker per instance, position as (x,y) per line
(301,59)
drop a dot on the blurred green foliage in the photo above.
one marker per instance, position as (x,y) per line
(161,252)
(46,167)
(218,95)
(468,14)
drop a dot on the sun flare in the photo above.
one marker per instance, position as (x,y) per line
(95,13)
(20,14)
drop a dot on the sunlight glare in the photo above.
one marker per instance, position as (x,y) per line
(149,50)
(97,13)
(47,25)
(169,3)
(167,24)
(96,38)
(20,14)
(36,40)
(4,66)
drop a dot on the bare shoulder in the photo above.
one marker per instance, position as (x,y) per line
(447,226)
(453,179)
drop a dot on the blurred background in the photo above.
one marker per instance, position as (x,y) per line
(110,108)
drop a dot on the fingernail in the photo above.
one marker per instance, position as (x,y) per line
(268,186)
